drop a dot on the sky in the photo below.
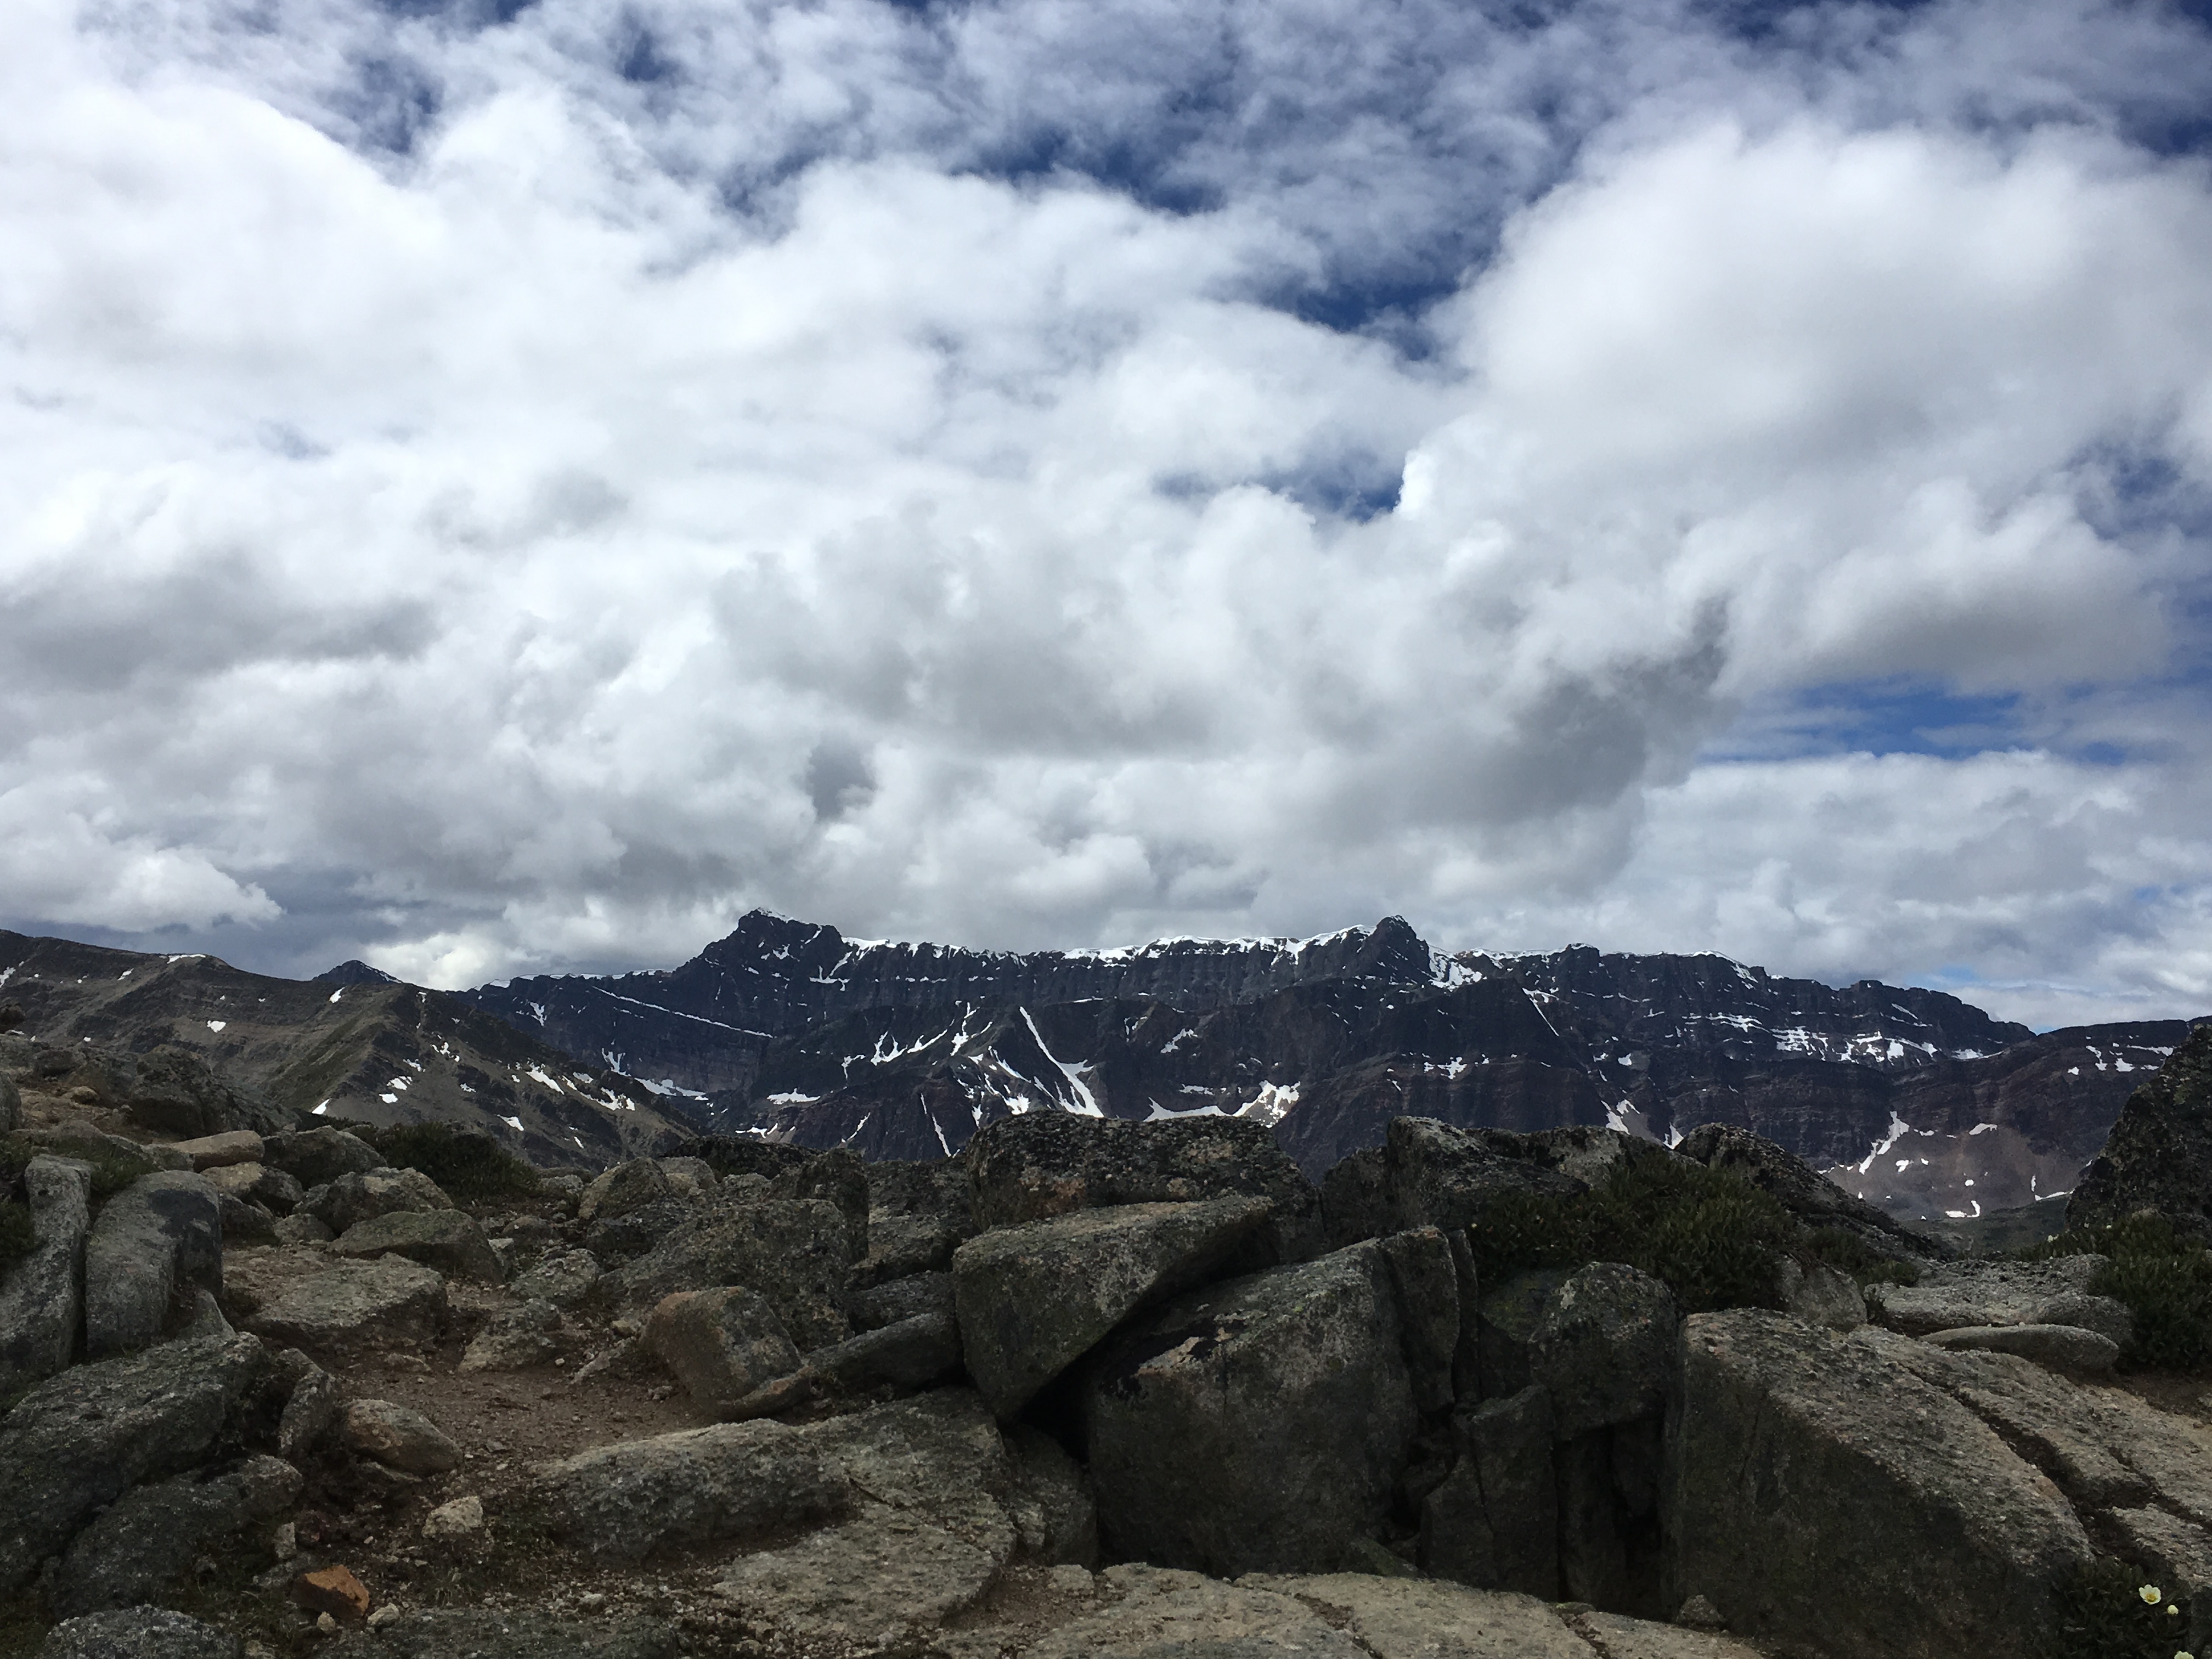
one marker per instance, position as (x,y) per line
(501,486)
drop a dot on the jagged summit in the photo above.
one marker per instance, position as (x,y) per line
(356,972)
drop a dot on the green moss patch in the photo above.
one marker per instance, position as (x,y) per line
(2104,1613)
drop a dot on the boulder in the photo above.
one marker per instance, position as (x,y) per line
(721,1346)
(838,1177)
(357,1307)
(173,1093)
(1618,1638)
(912,1353)
(138,1633)
(1355,1199)
(793,1252)
(1159,1613)
(564,1278)
(618,1238)
(152,1535)
(1052,1507)
(1494,1522)
(514,1339)
(256,1183)
(448,1240)
(116,1162)
(158,1234)
(1041,1164)
(311,1409)
(939,1456)
(1988,1293)
(1507,1315)
(1808,1465)
(1033,1298)
(627,1187)
(691,1177)
(1190,1413)
(904,1299)
(2064,1346)
(1604,1347)
(80,1440)
(1436,1174)
(315,1157)
(357,1197)
(2159,1155)
(457,1519)
(624,1501)
(1426,1282)
(398,1437)
(885,1578)
(243,1223)
(1822,1295)
(899,1245)
(42,1296)
(232,1146)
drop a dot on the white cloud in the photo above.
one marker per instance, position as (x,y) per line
(531,529)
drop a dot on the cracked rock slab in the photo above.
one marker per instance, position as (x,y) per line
(1408,1619)
(1161,1611)
(881,1577)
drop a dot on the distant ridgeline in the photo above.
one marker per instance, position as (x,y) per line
(1911,1098)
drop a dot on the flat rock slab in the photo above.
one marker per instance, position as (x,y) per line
(879,1579)
(1406,1619)
(1960,1294)
(940,1456)
(1161,1611)
(79,1441)
(1811,1465)
(2066,1346)
(1618,1638)
(1033,1299)
(214,1151)
(388,1302)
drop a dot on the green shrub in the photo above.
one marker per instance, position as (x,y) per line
(2102,1614)
(465,1163)
(2164,1278)
(113,1168)
(1845,1251)
(1709,1234)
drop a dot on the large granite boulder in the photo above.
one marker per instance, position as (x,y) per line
(359,1196)
(628,1187)
(1807,1466)
(42,1296)
(155,1533)
(2159,1155)
(315,1157)
(1604,1347)
(1191,1416)
(1494,1522)
(1436,1174)
(1041,1164)
(162,1232)
(1033,1298)
(356,1308)
(80,1440)
(722,1346)
(174,1092)
(794,1252)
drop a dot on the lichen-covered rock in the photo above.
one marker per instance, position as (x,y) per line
(1192,1413)
(793,1252)
(232,1146)
(152,1535)
(316,1158)
(448,1240)
(162,1231)
(42,1296)
(1033,1299)
(2066,1346)
(354,1198)
(564,1278)
(1808,1466)
(398,1437)
(912,1353)
(884,1578)
(1041,1164)
(80,1439)
(1494,1522)
(357,1307)
(627,1187)
(1604,1347)
(1401,1618)
(721,1346)
(1155,1612)
(256,1183)
(514,1339)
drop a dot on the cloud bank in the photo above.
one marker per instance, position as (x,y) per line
(489,488)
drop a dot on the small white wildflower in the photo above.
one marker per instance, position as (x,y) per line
(2150,1593)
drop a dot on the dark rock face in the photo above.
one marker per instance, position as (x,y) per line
(2160,1154)
(162,1232)
(42,1296)
(153,1535)
(1190,1417)
(1494,1522)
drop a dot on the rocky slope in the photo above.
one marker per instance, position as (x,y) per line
(1909,1097)
(360,1047)
(1094,1388)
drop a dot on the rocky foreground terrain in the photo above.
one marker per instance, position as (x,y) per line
(1090,1388)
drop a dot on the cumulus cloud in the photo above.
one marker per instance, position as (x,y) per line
(489,489)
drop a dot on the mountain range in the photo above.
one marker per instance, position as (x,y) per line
(1909,1097)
